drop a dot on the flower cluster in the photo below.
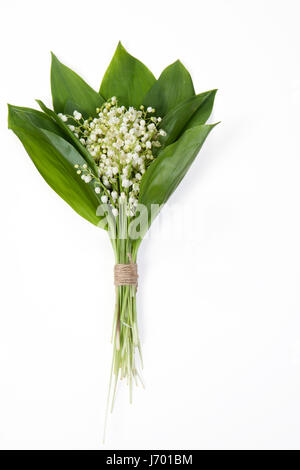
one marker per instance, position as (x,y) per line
(121,141)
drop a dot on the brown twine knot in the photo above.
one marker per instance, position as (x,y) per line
(126,274)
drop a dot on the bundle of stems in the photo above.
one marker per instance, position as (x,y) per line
(125,333)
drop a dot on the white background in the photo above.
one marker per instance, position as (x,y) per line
(219,310)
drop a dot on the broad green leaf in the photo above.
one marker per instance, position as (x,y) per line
(203,112)
(55,158)
(36,118)
(126,78)
(68,134)
(66,86)
(173,86)
(70,106)
(177,120)
(165,173)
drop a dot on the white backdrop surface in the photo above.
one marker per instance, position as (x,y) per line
(219,308)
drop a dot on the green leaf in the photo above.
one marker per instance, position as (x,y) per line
(66,86)
(36,118)
(55,158)
(126,78)
(70,106)
(203,112)
(165,173)
(70,137)
(173,86)
(180,117)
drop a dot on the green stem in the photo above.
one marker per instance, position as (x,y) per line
(125,335)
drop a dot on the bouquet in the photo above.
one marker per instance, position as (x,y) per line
(116,156)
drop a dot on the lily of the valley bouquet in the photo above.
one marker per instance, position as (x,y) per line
(116,156)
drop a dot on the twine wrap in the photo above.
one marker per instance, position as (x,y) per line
(126,274)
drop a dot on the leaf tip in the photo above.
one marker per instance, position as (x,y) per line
(214,124)
(54,59)
(179,64)
(41,104)
(120,47)
(212,93)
